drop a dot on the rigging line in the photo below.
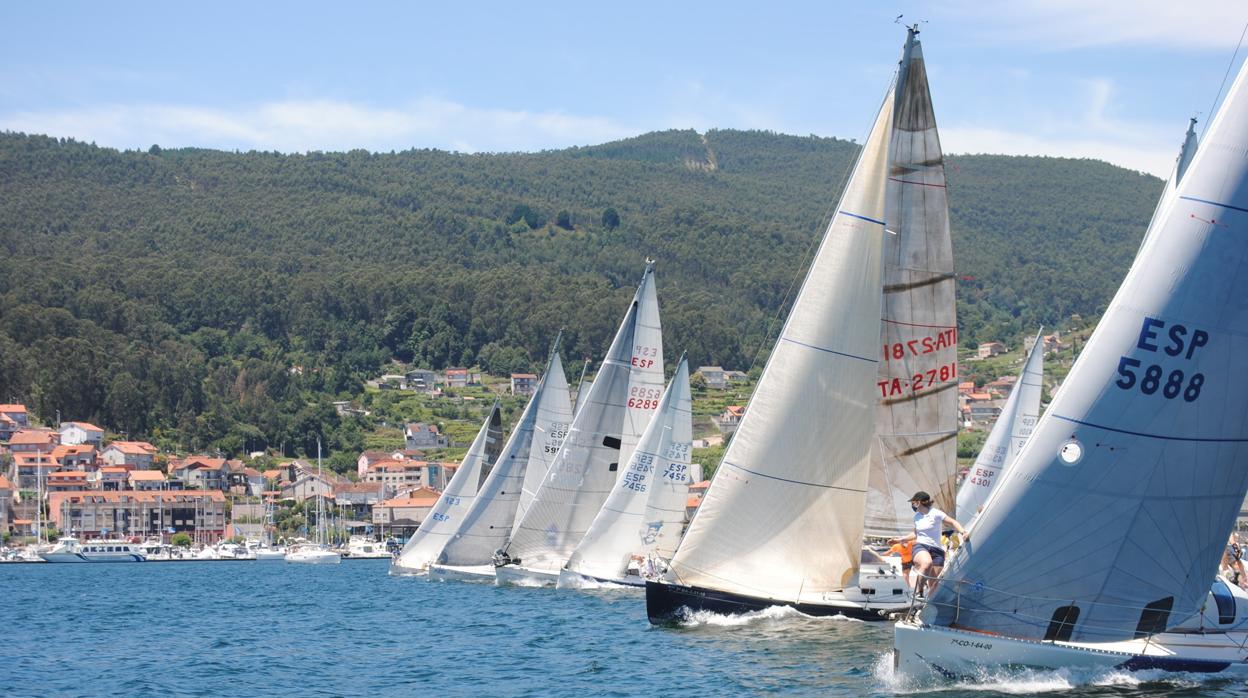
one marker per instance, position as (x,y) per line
(1221,87)
(825,220)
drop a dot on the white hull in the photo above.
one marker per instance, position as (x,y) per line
(269,555)
(93,557)
(923,652)
(397,568)
(574,580)
(515,575)
(467,573)
(314,557)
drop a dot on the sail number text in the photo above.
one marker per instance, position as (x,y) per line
(919,381)
(644,398)
(1176,341)
(918,346)
(643,357)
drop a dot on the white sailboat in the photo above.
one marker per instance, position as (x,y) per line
(536,438)
(1099,546)
(783,520)
(1013,426)
(603,434)
(640,522)
(315,552)
(444,518)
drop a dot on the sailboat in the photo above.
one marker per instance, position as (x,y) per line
(639,524)
(1099,546)
(444,518)
(1013,426)
(536,438)
(316,552)
(603,434)
(784,518)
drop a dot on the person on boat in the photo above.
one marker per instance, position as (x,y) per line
(905,551)
(929,555)
(1232,561)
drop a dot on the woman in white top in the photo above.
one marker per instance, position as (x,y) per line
(929,554)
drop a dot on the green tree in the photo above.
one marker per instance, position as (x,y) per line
(610,219)
(180,540)
(564,220)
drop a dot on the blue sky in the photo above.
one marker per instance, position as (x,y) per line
(1114,80)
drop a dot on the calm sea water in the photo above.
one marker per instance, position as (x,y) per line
(202,628)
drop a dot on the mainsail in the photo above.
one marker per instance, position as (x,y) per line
(447,513)
(600,438)
(783,516)
(917,414)
(537,435)
(1112,520)
(550,426)
(646,507)
(1013,426)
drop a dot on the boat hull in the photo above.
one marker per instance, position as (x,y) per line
(93,557)
(462,573)
(270,555)
(669,603)
(515,575)
(575,580)
(319,558)
(926,653)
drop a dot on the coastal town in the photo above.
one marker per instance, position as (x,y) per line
(76,478)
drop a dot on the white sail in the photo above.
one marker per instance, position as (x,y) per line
(646,508)
(1114,516)
(447,513)
(645,372)
(1013,426)
(586,466)
(917,416)
(554,416)
(488,521)
(783,516)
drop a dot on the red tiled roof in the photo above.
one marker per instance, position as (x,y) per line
(5,484)
(12,408)
(33,437)
(146,475)
(88,426)
(134,448)
(67,475)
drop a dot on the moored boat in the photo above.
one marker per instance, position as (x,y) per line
(68,549)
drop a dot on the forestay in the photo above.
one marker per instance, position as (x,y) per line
(585,468)
(917,415)
(447,513)
(1114,517)
(645,511)
(783,515)
(539,432)
(1013,426)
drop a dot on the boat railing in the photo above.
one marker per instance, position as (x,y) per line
(1047,624)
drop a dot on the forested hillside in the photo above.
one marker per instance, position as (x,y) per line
(169,293)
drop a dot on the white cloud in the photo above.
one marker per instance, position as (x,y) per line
(301,125)
(1152,159)
(1190,24)
(1088,125)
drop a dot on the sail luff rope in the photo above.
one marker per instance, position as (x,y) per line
(1221,87)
